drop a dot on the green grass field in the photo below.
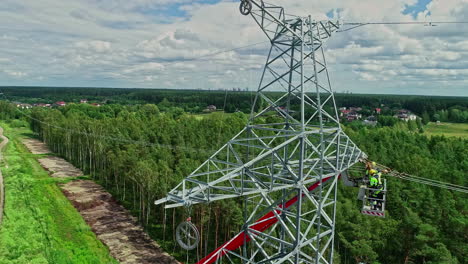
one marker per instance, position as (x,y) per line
(205,115)
(447,129)
(40,225)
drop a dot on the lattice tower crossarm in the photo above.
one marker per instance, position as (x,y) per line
(293,140)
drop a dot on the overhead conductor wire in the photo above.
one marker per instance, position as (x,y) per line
(417,179)
(361,24)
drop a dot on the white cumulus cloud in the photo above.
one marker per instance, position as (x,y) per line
(177,44)
(16,74)
(94,45)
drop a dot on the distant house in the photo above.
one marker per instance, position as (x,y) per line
(83,101)
(370,121)
(356,109)
(405,115)
(60,103)
(211,108)
(378,110)
(411,117)
(352,116)
(23,106)
(344,112)
(42,105)
(96,104)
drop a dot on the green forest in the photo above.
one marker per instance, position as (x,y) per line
(139,146)
(444,109)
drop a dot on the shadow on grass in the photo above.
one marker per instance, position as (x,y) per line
(29,134)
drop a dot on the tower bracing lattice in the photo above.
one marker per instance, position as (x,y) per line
(285,164)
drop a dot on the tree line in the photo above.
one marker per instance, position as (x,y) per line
(138,153)
(195,101)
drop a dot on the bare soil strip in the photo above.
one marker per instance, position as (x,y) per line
(2,189)
(111,222)
(36,146)
(59,168)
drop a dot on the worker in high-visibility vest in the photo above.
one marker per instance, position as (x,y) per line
(377,196)
(370,170)
(373,178)
(376,187)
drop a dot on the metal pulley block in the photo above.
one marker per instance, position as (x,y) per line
(187,235)
(245,7)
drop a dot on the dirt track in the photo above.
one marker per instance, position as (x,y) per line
(111,223)
(114,225)
(59,168)
(2,189)
(36,146)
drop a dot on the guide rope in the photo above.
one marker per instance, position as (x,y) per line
(422,180)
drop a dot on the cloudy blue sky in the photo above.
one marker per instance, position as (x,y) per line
(153,43)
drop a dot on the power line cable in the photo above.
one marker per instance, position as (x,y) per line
(426,181)
(361,24)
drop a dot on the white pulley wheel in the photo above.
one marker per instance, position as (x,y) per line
(187,235)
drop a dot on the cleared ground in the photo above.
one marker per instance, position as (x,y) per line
(112,223)
(447,129)
(40,225)
(35,146)
(59,168)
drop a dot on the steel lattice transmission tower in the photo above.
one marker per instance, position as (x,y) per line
(286,162)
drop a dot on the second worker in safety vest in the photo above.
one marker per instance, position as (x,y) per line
(376,194)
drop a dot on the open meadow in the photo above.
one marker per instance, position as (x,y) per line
(447,129)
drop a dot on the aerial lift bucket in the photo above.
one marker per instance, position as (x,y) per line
(373,206)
